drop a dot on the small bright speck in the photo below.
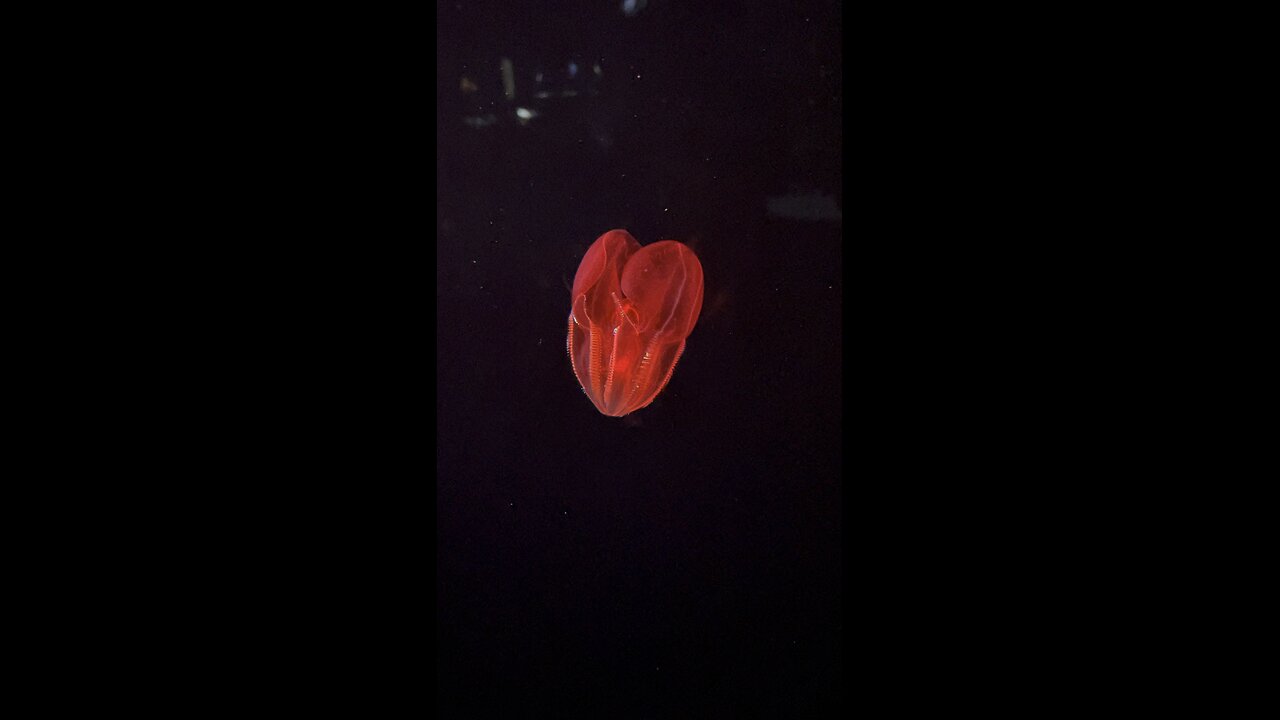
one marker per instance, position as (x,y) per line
(524,113)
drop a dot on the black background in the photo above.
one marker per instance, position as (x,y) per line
(686,559)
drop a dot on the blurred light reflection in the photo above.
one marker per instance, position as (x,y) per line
(631,8)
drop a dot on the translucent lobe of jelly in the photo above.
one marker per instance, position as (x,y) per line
(664,282)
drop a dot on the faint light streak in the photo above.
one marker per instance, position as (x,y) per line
(480,121)
(508,79)
(812,207)
(543,94)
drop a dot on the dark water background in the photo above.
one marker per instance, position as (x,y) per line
(685,560)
